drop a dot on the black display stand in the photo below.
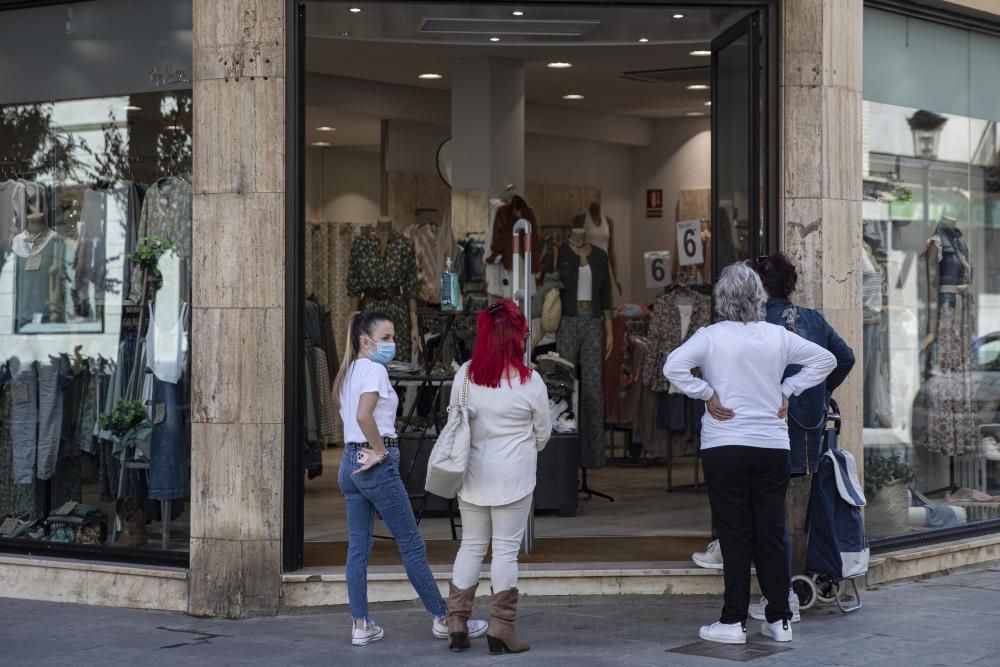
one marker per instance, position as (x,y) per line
(589,491)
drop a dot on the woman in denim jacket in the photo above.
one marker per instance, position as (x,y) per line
(806,412)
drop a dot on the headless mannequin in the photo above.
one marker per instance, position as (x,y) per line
(383,230)
(578,244)
(934,282)
(598,220)
(35,231)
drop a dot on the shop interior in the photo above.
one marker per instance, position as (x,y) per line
(428,127)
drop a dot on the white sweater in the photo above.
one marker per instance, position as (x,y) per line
(743,365)
(511,425)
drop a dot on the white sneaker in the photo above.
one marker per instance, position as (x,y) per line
(724,633)
(991,450)
(366,635)
(757,610)
(711,558)
(779,631)
(473,627)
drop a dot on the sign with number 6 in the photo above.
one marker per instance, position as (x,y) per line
(658,268)
(689,247)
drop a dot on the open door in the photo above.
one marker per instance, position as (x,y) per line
(738,185)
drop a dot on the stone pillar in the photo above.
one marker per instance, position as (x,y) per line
(821,189)
(238,307)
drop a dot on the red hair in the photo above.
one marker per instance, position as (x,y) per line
(501,330)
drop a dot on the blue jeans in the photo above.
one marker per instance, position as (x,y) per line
(169,478)
(381,489)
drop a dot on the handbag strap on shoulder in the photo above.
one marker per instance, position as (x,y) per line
(465,388)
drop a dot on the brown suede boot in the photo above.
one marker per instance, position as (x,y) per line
(501,636)
(459,609)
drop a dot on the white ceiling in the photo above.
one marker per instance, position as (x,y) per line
(384,43)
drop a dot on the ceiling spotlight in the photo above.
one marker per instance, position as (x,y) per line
(708,103)
(494,39)
(325,128)
(560,65)
(517,12)
(573,96)
(643,40)
(698,86)
(132,107)
(321,144)
(695,113)
(701,52)
(174,128)
(678,16)
(355,10)
(429,76)
(346,33)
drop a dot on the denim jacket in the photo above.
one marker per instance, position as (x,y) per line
(808,409)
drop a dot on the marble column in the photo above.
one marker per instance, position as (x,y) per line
(821,183)
(238,307)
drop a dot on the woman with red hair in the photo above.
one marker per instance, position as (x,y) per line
(511,424)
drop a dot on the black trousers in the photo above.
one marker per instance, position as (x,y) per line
(746,488)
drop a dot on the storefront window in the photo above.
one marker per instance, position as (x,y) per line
(95,274)
(931,285)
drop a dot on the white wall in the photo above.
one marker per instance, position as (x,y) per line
(680,157)
(347,187)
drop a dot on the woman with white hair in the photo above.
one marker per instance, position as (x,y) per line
(744,441)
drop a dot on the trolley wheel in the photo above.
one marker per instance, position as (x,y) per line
(805,589)
(828,589)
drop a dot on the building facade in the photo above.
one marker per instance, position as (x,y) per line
(162,172)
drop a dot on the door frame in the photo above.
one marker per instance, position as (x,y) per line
(293,534)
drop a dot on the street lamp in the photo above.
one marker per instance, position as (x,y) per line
(926,127)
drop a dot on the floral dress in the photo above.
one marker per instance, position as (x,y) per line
(371,274)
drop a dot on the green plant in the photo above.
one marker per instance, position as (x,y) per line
(147,254)
(125,416)
(883,470)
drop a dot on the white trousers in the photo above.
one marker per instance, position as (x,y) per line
(504,526)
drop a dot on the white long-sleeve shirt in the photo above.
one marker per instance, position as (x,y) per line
(511,425)
(743,365)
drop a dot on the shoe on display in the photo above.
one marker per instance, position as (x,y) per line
(710,558)
(565,424)
(779,631)
(724,633)
(475,627)
(991,449)
(757,610)
(366,635)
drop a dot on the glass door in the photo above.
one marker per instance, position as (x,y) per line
(738,204)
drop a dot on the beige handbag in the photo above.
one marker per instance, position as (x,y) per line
(450,455)
(551,311)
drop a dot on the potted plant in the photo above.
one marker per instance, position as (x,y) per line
(147,257)
(886,479)
(124,417)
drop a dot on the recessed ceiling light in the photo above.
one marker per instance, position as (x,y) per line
(132,107)
(708,103)
(345,34)
(325,128)
(517,12)
(695,113)
(701,52)
(321,144)
(560,65)
(429,76)
(355,10)
(698,86)
(494,39)
(573,96)
(643,40)
(678,16)
(174,128)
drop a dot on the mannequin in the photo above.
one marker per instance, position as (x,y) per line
(501,250)
(586,301)
(946,396)
(41,267)
(599,231)
(382,276)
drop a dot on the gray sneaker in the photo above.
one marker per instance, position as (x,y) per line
(757,610)
(366,635)
(710,558)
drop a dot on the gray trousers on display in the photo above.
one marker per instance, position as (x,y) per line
(878,401)
(579,342)
(36,421)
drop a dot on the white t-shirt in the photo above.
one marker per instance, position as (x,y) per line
(585,284)
(363,377)
(743,364)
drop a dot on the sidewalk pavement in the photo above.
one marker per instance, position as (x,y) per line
(950,620)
